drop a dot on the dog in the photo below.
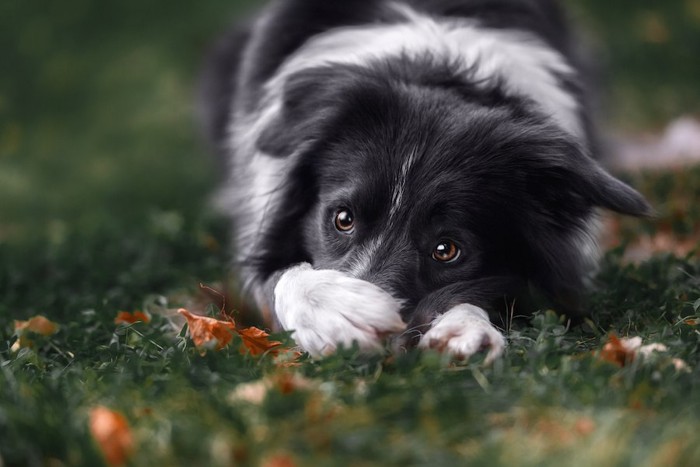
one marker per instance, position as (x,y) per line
(396,167)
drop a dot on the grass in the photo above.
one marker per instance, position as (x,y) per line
(550,400)
(103,195)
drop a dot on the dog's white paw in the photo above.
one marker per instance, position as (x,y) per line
(463,331)
(326,308)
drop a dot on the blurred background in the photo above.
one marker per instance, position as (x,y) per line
(99,151)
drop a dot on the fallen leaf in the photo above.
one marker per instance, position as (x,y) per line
(654,28)
(618,351)
(691,321)
(257,341)
(126,317)
(208,333)
(584,426)
(36,325)
(623,351)
(112,433)
(286,383)
(278,460)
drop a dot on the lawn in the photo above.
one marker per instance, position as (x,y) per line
(104,189)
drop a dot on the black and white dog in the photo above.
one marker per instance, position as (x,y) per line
(395,166)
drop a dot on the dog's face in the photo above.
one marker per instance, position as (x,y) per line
(427,188)
(398,203)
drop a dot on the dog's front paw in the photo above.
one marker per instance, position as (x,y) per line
(463,331)
(326,308)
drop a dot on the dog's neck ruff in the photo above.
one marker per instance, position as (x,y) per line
(517,60)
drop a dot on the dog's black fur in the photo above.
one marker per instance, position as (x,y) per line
(491,171)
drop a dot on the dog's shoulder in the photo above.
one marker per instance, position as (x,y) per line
(285,26)
(544,18)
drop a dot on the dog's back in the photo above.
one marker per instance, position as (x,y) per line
(248,55)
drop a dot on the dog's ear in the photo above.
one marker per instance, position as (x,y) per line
(563,186)
(604,190)
(610,193)
(309,101)
(560,164)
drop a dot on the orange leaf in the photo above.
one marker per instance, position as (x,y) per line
(257,341)
(36,325)
(279,460)
(208,332)
(111,431)
(125,317)
(615,351)
(692,321)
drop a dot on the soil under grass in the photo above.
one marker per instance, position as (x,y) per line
(103,195)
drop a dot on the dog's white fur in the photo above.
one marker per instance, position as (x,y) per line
(326,308)
(463,331)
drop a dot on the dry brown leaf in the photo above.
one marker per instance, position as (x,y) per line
(112,433)
(278,460)
(257,341)
(288,383)
(654,28)
(254,392)
(207,333)
(37,325)
(126,317)
(623,351)
(617,352)
(584,426)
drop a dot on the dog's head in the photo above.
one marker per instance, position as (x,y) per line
(434,186)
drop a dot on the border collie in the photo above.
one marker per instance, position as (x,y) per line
(396,167)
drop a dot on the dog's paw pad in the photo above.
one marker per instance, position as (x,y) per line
(464,331)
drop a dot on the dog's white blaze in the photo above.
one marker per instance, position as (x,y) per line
(522,62)
(363,259)
(400,186)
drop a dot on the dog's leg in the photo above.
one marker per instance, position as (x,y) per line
(326,308)
(463,331)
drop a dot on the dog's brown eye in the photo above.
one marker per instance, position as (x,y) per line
(344,221)
(446,251)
